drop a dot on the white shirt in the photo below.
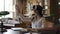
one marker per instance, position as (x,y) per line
(39,23)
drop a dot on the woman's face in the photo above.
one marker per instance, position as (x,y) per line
(35,11)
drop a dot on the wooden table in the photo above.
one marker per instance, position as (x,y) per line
(54,29)
(41,30)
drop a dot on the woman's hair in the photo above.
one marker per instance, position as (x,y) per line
(39,9)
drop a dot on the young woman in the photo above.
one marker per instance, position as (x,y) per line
(38,21)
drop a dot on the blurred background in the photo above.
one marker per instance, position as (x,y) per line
(20,13)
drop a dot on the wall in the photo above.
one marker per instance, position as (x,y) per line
(54,10)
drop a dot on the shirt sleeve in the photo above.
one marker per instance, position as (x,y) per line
(43,22)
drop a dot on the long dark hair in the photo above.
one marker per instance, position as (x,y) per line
(39,9)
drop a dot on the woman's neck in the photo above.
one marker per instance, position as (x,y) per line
(38,16)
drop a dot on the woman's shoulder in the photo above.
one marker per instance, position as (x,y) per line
(43,18)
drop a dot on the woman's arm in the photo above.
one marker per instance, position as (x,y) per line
(43,22)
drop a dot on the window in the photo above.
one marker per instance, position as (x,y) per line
(7,5)
(46,10)
(59,5)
